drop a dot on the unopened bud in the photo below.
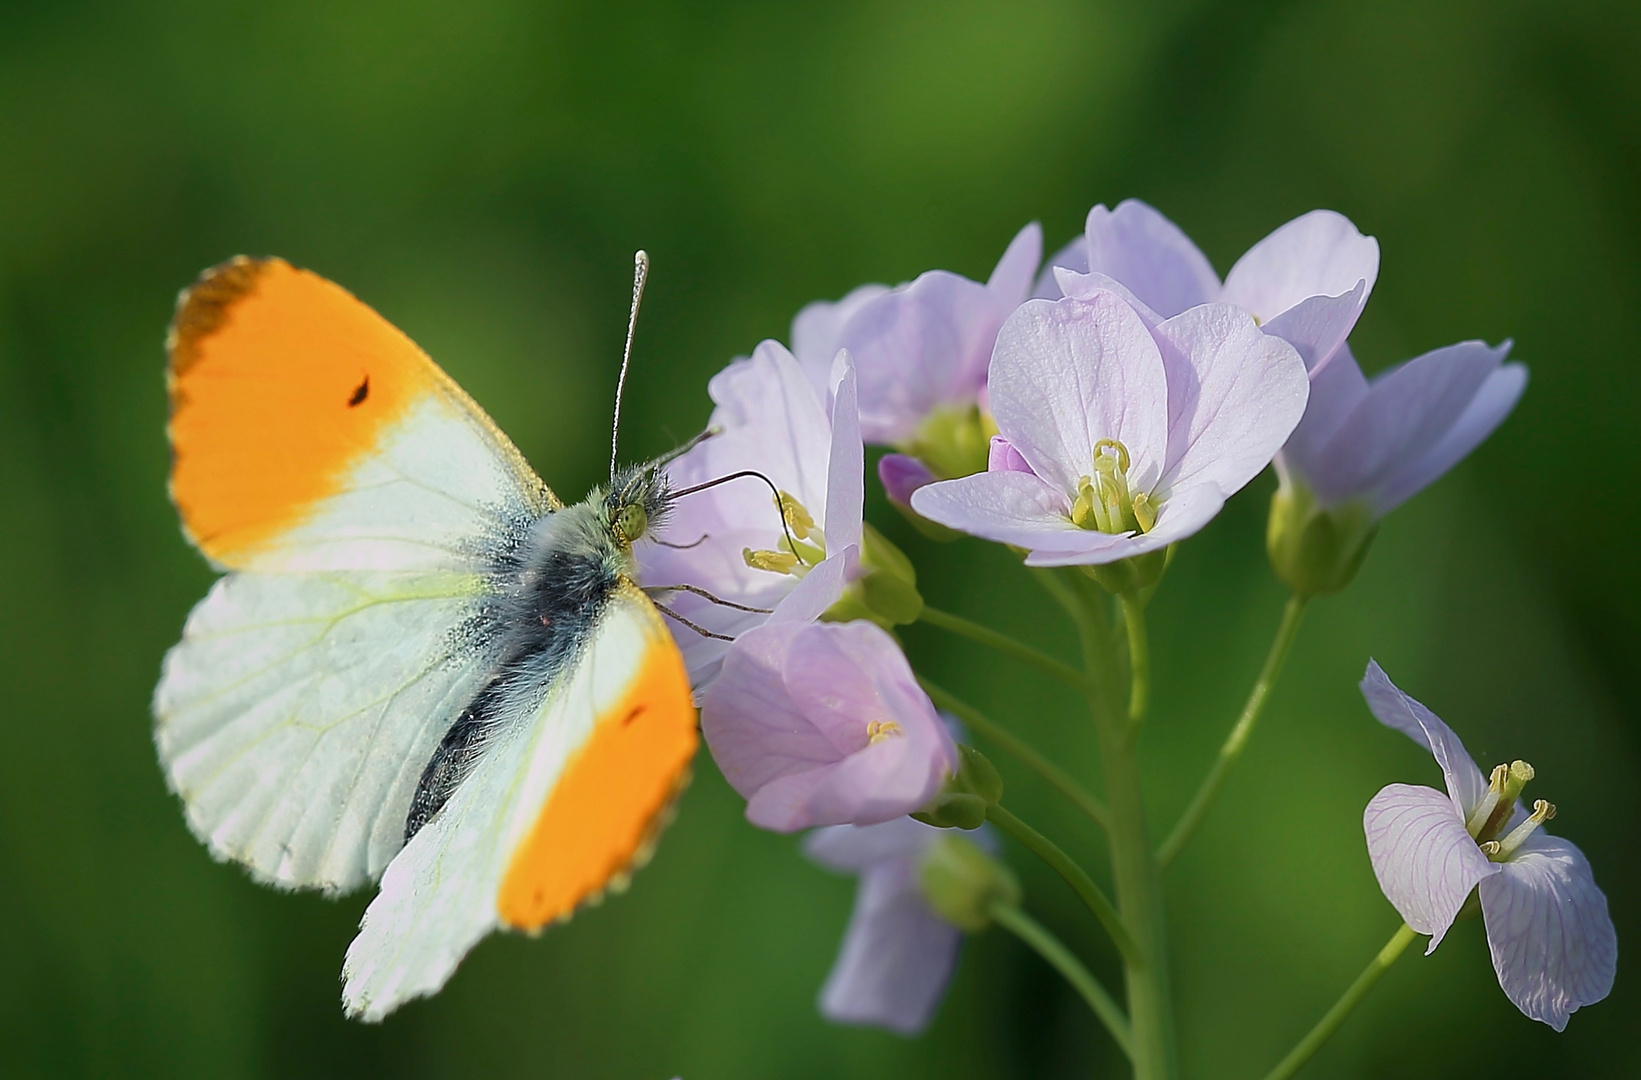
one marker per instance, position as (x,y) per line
(1316,551)
(963,884)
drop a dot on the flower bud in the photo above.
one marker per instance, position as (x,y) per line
(963,884)
(967,795)
(1316,551)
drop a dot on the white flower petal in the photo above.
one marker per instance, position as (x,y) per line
(1552,940)
(1486,411)
(817,331)
(1425,862)
(1405,416)
(1335,391)
(1234,396)
(1069,373)
(897,955)
(1317,326)
(1016,508)
(1316,254)
(1150,255)
(1012,278)
(1394,709)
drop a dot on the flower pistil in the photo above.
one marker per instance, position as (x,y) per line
(1104,500)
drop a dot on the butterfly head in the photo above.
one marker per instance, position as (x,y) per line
(636,503)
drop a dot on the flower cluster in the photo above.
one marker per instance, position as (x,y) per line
(1089,413)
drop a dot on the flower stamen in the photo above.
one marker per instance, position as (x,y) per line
(802,544)
(1504,786)
(878,730)
(1104,501)
(1503,849)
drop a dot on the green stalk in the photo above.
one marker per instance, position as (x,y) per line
(1237,740)
(1027,754)
(1004,644)
(1050,948)
(1342,1008)
(1074,875)
(1135,872)
(1139,662)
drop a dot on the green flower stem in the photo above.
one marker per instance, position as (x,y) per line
(1074,875)
(1329,1023)
(1050,948)
(1139,662)
(1027,754)
(1237,740)
(1019,650)
(1135,871)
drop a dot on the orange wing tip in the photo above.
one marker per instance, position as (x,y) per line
(202,308)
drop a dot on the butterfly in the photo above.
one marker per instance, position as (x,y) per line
(419,666)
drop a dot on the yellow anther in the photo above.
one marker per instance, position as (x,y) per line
(1082,511)
(797,517)
(1504,786)
(1144,512)
(878,730)
(776,562)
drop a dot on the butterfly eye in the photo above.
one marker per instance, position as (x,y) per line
(630,522)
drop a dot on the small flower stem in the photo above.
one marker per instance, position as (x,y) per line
(1027,754)
(1335,1016)
(1139,662)
(1074,875)
(1135,873)
(1019,650)
(1237,740)
(1050,948)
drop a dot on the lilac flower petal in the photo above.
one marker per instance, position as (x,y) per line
(1425,861)
(855,848)
(817,331)
(756,732)
(819,589)
(1394,709)
(791,722)
(1016,508)
(1067,374)
(886,780)
(1335,391)
(846,463)
(1072,257)
(1552,940)
(1085,286)
(902,474)
(1316,254)
(1486,411)
(1406,414)
(1234,396)
(918,347)
(1001,457)
(1149,254)
(1317,326)
(897,955)
(1012,278)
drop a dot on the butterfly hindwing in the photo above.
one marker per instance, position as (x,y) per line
(556,809)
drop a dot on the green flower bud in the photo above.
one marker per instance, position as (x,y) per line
(963,884)
(963,801)
(1316,551)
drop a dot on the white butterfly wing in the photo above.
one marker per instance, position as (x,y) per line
(558,808)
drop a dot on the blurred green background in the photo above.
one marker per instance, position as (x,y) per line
(481,173)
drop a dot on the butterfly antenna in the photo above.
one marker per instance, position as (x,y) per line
(640,274)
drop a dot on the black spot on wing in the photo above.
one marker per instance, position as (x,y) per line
(360,393)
